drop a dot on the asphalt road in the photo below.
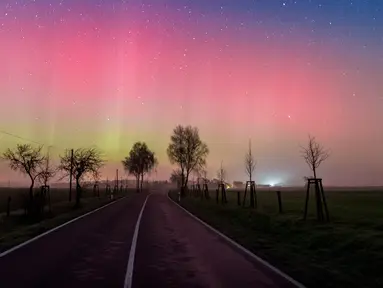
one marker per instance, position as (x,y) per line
(173,250)
(90,252)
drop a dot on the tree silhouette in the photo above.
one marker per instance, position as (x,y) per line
(221,174)
(314,154)
(26,159)
(187,151)
(47,171)
(250,163)
(140,162)
(175,176)
(85,161)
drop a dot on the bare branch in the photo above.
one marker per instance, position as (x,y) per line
(85,161)
(314,154)
(221,174)
(250,163)
(27,160)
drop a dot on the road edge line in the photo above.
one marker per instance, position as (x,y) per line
(129,268)
(56,228)
(243,249)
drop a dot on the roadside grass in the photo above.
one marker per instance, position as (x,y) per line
(347,252)
(18,228)
(18,195)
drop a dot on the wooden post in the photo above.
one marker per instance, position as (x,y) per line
(9,206)
(279,201)
(250,185)
(238,198)
(319,202)
(221,188)
(70,176)
(244,196)
(49,198)
(319,197)
(117,179)
(307,198)
(324,201)
(206,191)
(255,205)
(252,200)
(179,196)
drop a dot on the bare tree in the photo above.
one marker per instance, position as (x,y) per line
(85,161)
(188,151)
(26,159)
(250,163)
(47,171)
(221,174)
(314,154)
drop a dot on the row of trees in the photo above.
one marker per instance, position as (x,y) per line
(78,164)
(189,153)
(186,150)
(32,162)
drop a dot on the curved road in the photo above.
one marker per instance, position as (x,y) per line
(173,250)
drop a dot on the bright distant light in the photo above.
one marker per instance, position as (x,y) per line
(273,182)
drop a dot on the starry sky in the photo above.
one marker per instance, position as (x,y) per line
(79,73)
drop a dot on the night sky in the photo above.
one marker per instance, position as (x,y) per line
(108,73)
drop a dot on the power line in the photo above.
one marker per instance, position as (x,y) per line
(35,142)
(19,137)
(29,140)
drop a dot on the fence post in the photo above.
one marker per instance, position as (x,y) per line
(9,206)
(279,201)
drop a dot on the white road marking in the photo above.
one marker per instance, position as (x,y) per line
(56,228)
(243,249)
(129,270)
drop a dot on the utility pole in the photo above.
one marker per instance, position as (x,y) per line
(117,178)
(70,176)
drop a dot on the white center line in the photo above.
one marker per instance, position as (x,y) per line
(129,270)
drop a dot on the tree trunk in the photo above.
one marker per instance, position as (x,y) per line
(78,192)
(31,203)
(31,188)
(315,173)
(185,186)
(142,180)
(138,183)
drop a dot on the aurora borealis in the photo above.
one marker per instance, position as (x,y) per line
(110,73)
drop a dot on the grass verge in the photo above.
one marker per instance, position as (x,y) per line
(338,254)
(17,229)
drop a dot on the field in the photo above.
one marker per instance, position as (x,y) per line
(347,252)
(18,194)
(18,228)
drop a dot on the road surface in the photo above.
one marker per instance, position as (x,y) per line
(173,250)
(90,252)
